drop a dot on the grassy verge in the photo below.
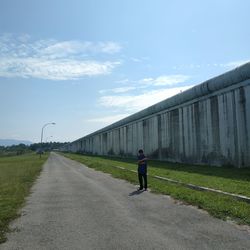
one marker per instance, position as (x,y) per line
(17,175)
(226,179)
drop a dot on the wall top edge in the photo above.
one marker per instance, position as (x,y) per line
(227,79)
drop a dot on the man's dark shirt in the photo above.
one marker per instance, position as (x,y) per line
(142,168)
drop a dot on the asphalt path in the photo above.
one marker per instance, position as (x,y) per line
(75,207)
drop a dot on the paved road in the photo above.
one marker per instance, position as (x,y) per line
(74,207)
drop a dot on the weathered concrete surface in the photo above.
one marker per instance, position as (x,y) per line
(73,207)
(208,124)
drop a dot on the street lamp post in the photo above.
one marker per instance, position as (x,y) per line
(50,123)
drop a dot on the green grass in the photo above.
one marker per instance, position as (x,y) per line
(17,174)
(223,178)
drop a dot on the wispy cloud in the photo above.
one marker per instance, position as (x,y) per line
(164,80)
(123,81)
(234,64)
(60,49)
(54,60)
(134,59)
(106,120)
(118,90)
(227,65)
(134,103)
(109,47)
(150,82)
(138,59)
(65,69)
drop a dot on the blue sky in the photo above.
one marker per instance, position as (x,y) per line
(85,64)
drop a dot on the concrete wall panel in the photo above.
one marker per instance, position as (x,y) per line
(208,124)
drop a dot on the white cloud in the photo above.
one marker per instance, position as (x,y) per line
(117,90)
(134,59)
(138,59)
(124,81)
(165,80)
(123,89)
(147,80)
(53,60)
(134,103)
(234,64)
(110,47)
(106,120)
(229,65)
(78,47)
(53,69)
(62,49)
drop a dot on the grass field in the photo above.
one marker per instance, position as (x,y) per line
(17,174)
(224,178)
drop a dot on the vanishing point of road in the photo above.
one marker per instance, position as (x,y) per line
(75,207)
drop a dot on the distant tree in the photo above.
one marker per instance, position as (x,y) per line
(47,146)
(22,148)
(14,150)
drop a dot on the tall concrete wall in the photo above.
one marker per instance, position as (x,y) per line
(208,124)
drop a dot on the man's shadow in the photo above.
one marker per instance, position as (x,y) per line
(136,192)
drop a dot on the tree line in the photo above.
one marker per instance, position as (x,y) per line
(35,147)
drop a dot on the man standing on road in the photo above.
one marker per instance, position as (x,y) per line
(142,170)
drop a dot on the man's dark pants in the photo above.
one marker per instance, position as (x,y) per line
(142,177)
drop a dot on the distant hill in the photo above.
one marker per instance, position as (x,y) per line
(10,142)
